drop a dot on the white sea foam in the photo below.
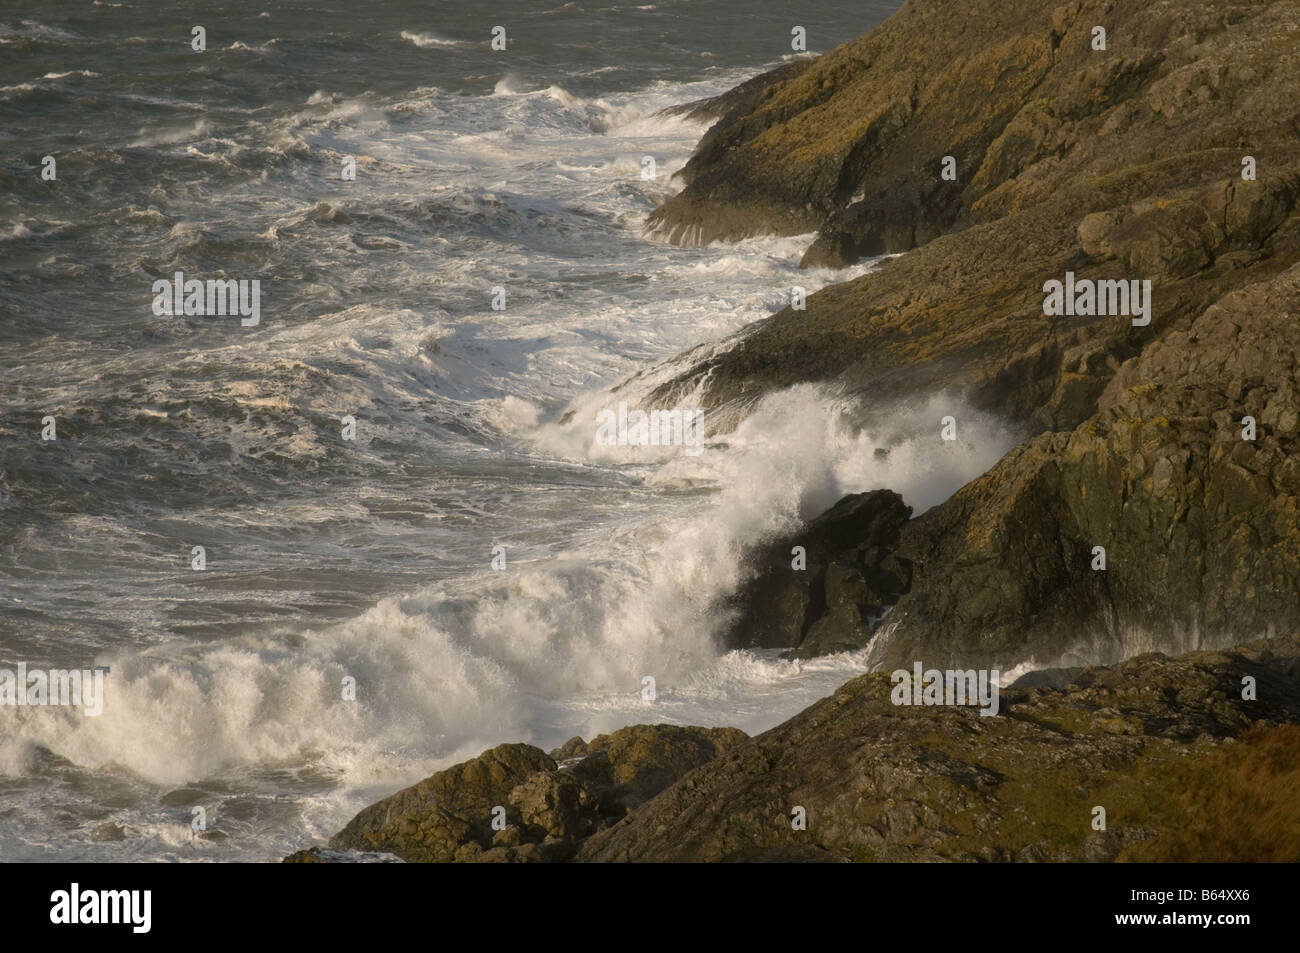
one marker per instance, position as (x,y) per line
(617,559)
(432,41)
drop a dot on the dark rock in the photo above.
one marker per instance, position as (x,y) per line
(852,575)
(185,797)
(108,831)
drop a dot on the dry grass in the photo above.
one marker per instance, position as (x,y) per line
(1240,805)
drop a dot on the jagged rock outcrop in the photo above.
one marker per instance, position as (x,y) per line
(549,807)
(850,576)
(1146,740)
(1122,163)
(1116,163)
(1200,526)
(744,98)
(1193,758)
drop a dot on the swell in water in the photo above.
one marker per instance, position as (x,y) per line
(372,560)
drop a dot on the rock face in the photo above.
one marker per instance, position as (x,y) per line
(1116,163)
(549,807)
(1172,156)
(1199,526)
(1144,740)
(432,820)
(850,577)
(744,98)
(1192,758)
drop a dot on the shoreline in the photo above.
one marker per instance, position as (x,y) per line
(1149,508)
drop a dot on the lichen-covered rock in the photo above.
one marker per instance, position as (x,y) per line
(1148,740)
(449,816)
(1199,526)
(431,820)
(636,763)
(547,806)
(1145,740)
(1123,163)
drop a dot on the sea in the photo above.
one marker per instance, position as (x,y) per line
(321,556)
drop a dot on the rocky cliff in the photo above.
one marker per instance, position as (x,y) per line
(1167,151)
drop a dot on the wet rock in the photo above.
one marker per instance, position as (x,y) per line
(852,575)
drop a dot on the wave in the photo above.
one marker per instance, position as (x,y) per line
(431,40)
(616,563)
(462,665)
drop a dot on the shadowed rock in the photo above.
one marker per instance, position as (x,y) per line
(851,577)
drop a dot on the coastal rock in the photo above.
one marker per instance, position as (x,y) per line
(743,98)
(1124,163)
(625,769)
(1171,748)
(430,820)
(851,577)
(1198,524)
(448,816)
(1146,740)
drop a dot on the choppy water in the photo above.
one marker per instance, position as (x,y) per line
(371,559)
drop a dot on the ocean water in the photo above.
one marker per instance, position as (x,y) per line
(372,559)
